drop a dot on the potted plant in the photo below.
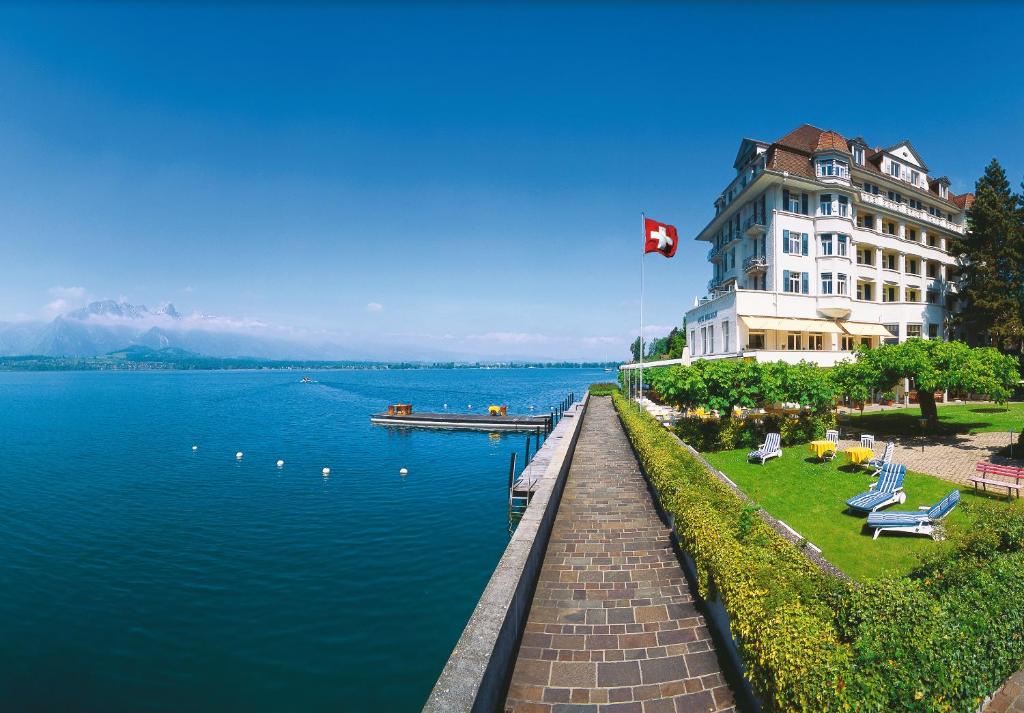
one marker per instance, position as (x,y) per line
(888,398)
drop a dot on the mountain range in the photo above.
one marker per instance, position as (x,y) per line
(109,325)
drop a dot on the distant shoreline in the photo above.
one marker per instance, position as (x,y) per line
(116,362)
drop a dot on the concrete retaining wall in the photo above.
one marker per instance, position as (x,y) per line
(478,672)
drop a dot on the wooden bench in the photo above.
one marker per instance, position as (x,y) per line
(1003,471)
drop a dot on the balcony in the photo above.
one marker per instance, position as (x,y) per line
(904,209)
(755,226)
(714,253)
(755,263)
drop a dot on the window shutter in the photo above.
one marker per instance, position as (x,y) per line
(785,199)
(804,286)
(785,241)
(803,204)
(804,243)
(785,280)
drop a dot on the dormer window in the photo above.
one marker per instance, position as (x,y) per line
(915,177)
(833,168)
(858,155)
(943,191)
(894,169)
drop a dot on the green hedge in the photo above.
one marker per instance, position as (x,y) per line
(713,434)
(603,389)
(939,640)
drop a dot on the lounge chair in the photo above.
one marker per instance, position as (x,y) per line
(867,441)
(886,458)
(925,521)
(833,436)
(888,489)
(771,448)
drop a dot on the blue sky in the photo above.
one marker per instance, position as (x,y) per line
(453,178)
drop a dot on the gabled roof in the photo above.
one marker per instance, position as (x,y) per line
(905,144)
(802,138)
(746,146)
(963,201)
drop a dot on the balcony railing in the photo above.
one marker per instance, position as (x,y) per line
(755,226)
(921,215)
(714,252)
(755,263)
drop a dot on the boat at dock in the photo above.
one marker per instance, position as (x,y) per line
(495,420)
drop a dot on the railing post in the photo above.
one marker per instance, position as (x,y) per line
(526,461)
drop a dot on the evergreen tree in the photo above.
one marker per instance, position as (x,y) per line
(994,265)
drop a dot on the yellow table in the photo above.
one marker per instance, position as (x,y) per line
(859,454)
(822,448)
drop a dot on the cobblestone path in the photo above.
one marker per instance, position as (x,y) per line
(613,625)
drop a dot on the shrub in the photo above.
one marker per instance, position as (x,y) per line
(603,389)
(714,434)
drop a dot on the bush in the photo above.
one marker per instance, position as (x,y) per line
(714,434)
(603,389)
(939,640)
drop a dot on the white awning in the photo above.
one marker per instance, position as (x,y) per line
(866,329)
(792,324)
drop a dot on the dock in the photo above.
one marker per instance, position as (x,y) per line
(462,421)
(526,483)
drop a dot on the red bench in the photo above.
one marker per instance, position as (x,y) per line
(988,473)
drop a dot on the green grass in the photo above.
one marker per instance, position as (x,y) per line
(953,418)
(810,497)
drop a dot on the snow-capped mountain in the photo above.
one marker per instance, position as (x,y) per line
(109,325)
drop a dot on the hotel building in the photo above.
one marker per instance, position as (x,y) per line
(821,244)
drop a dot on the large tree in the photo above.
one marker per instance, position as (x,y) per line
(993,273)
(938,366)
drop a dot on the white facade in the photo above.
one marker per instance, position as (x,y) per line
(807,265)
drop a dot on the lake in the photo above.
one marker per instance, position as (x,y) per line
(139,575)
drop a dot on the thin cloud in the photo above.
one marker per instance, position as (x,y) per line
(374,307)
(65,299)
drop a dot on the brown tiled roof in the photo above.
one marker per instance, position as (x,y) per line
(831,141)
(802,138)
(963,201)
(793,153)
(782,159)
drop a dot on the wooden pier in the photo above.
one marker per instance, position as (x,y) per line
(525,484)
(462,421)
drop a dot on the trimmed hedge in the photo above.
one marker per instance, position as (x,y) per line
(603,389)
(939,640)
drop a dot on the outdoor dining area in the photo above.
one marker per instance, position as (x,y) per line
(862,454)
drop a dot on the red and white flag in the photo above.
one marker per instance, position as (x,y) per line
(660,238)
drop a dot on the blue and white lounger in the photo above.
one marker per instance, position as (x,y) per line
(886,458)
(888,489)
(923,522)
(771,448)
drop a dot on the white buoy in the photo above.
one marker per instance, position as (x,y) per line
(195,448)
(280,464)
(239,455)
(446,407)
(326,471)
(403,471)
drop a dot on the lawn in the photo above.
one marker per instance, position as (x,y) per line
(810,497)
(953,418)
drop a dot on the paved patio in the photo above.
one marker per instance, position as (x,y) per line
(949,457)
(613,625)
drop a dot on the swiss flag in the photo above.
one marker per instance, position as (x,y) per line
(660,238)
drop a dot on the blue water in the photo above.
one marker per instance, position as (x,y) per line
(136,575)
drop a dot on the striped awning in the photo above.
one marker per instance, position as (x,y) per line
(791,324)
(866,329)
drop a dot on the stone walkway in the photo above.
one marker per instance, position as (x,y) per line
(613,625)
(1009,698)
(949,457)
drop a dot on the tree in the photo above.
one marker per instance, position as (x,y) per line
(856,379)
(635,348)
(935,365)
(993,270)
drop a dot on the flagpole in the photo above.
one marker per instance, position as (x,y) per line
(643,249)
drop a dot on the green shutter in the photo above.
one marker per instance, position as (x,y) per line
(803,243)
(804,287)
(803,204)
(785,280)
(785,199)
(785,241)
